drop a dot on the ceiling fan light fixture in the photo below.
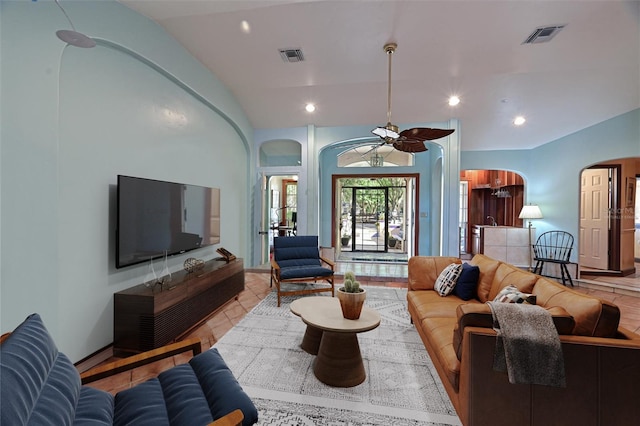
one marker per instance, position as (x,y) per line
(386,132)
(409,140)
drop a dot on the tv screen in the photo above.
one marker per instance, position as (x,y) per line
(156,217)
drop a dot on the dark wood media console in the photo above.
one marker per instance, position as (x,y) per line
(146,318)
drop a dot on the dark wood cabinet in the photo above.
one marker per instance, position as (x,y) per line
(147,318)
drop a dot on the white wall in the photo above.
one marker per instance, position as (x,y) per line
(72,120)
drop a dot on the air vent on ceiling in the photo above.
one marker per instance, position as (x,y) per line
(292,55)
(543,34)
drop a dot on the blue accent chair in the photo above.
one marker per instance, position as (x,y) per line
(40,386)
(297,260)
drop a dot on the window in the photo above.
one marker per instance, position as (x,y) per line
(374,155)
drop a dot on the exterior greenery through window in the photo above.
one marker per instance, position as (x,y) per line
(372,213)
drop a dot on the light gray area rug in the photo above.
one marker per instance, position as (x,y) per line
(402,386)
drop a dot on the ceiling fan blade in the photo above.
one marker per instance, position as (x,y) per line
(409,146)
(425,133)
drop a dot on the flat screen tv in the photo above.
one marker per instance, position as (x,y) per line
(156,217)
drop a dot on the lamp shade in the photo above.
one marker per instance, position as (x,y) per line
(530,211)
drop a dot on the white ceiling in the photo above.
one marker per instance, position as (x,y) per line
(588,73)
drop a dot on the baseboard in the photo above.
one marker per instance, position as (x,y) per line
(95,359)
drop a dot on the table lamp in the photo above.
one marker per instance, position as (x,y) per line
(530,211)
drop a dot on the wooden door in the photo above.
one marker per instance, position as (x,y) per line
(594,218)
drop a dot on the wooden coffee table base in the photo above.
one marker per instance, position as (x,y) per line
(334,339)
(339,362)
(311,340)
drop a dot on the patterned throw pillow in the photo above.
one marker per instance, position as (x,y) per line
(447,279)
(511,294)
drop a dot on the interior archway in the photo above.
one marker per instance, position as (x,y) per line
(609,238)
(488,197)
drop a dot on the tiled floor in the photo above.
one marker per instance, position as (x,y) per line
(391,274)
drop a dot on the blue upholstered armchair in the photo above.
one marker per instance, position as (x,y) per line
(40,386)
(297,260)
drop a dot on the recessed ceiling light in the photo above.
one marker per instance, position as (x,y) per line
(454,100)
(519,120)
(310,107)
(245,27)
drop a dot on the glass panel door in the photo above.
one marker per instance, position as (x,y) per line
(370,225)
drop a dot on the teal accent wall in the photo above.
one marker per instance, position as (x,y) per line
(73,119)
(139,104)
(552,171)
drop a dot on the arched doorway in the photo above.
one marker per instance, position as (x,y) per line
(609,239)
(488,197)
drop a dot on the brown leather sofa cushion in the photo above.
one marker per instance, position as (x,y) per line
(429,304)
(507,275)
(593,317)
(488,269)
(479,315)
(423,271)
(438,333)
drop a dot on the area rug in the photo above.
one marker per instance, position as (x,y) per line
(402,386)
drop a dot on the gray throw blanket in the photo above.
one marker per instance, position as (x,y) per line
(528,346)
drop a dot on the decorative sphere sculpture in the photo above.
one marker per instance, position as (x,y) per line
(193,264)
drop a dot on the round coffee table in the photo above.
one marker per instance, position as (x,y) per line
(334,339)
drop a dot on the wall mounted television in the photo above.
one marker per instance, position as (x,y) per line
(156,217)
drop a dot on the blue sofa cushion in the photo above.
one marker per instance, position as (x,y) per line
(304,271)
(38,384)
(141,405)
(184,397)
(95,408)
(222,390)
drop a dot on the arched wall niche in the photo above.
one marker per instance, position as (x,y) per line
(279,153)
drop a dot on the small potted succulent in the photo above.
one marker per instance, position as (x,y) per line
(351,297)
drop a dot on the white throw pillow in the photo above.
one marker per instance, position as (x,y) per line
(511,294)
(447,280)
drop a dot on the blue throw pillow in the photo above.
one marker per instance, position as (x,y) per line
(467,283)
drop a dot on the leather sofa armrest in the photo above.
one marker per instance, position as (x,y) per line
(479,315)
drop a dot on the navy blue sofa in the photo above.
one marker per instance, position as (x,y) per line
(40,386)
(297,260)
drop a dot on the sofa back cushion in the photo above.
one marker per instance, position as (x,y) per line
(507,275)
(423,271)
(300,250)
(593,317)
(38,384)
(488,269)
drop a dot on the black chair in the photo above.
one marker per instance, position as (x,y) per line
(297,260)
(554,247)
(294,220)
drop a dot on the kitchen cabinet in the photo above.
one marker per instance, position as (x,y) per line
(506,243)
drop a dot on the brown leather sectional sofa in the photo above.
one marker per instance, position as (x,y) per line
(601,359)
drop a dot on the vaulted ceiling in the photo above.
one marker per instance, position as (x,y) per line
(587,73)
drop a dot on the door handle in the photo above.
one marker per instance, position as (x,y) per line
(263,232)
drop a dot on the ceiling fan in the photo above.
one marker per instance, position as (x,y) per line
(410,140)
